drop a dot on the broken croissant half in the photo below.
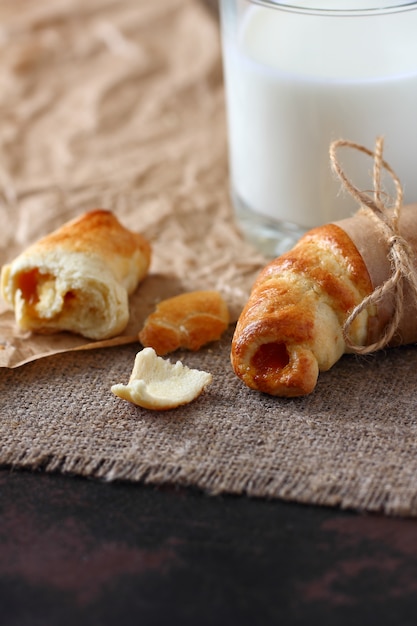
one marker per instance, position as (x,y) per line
(158,384)
(78,278)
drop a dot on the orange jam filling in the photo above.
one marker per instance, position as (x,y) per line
(271,357)
(27,283)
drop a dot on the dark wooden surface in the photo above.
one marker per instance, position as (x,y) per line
(81,552)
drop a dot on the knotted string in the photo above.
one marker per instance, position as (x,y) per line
(400,254)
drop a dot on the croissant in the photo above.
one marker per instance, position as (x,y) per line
(291,328)
(77,278)
(189,320)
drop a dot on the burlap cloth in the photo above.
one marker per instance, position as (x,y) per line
(120,105)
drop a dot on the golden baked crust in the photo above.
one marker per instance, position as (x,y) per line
(189,320)
(78,278)
(291,326)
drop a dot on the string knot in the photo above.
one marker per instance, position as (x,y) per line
(386,218)
(397,240)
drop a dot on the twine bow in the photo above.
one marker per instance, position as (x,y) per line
(400,254)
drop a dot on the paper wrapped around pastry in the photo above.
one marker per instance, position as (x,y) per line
(347,286)
(78,278)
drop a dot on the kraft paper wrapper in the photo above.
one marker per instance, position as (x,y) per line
(118,106)
(374,249)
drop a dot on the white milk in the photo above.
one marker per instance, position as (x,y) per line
(295,83)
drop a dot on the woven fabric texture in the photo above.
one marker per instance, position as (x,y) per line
(351,444)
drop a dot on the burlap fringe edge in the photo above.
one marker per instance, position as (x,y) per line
(290,487)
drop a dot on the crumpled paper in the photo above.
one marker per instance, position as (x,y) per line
(118,106)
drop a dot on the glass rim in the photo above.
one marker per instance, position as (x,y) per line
(297,7)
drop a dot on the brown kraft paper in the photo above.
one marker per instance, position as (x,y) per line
(118,114)
(374,249)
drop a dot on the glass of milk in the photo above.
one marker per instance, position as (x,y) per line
(299,75)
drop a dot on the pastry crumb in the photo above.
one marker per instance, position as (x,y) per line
(158,384)
(189,320)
